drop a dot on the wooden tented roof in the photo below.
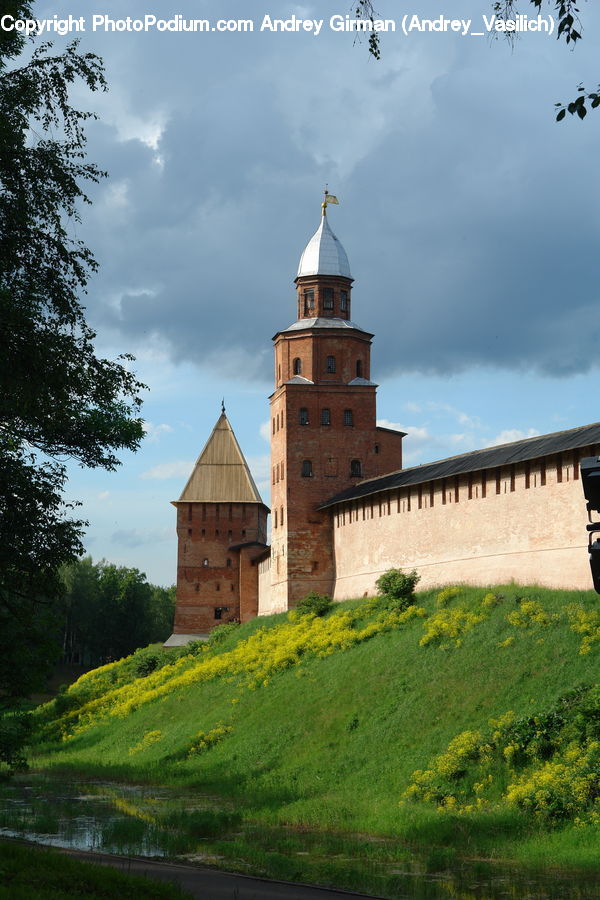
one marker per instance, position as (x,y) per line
(221,474)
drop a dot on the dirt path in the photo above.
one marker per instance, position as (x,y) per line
(210,884)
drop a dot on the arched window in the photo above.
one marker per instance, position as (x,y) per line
(303,415)
(281,516)
(330,366)
(307,468)
(325,417)
(205,562)
(297,366)
(348,417)
(359,368)
(228,563)
(275,520)
(355,468)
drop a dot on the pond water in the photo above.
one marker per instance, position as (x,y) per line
(143,820)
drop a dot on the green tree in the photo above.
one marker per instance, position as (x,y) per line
(112,611)
(59,400)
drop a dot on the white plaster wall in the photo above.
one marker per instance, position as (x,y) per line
(532,535)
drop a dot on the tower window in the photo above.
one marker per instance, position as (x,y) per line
(359,368)
(348,417)
(330,365)
(303,416)
(325,417)
(281,516)
(205,562)
(275,520)
(344,301)
(228,563)
(328,298)
(307,468)
(309,301)
(355,468)
(297,367)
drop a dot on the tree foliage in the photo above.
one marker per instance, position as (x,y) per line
(110,611)
(569,29)
(59,399)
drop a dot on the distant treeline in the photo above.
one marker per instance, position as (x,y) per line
(110,611)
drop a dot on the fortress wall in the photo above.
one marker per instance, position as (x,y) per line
(265,598)
(524,522)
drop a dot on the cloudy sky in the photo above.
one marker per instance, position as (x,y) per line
(471,220)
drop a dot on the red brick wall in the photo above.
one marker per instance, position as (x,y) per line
(318,284)
(301,535)
(206,531)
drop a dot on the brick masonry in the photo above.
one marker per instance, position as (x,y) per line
(217,577)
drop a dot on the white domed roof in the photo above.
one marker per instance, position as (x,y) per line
(324,255)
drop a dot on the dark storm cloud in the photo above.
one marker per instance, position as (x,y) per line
(470,217)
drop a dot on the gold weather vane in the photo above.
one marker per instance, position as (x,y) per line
(329,198)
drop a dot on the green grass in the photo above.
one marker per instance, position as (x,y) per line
(331,743)
(30,873)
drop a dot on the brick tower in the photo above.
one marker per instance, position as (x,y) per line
(221,529)
(324,436)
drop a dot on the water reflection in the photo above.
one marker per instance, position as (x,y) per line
(162,822)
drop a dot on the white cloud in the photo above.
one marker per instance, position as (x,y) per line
(385,423)
(461,417)
(416,441)
(511,434)
(155,432)
(265,431)
(103,495)
(178,469)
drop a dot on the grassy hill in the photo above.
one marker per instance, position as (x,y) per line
(466,726)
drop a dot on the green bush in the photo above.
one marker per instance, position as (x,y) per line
(397,587)
(15,734)
(315,604)
(221,632)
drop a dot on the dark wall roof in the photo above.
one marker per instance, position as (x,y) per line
(476,460)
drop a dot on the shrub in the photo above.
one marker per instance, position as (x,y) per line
(15,734)
(315,604)
(220,633)
(398,587)
(444,597)
(144,663)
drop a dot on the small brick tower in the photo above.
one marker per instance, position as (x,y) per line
(221,529)
(324,436)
